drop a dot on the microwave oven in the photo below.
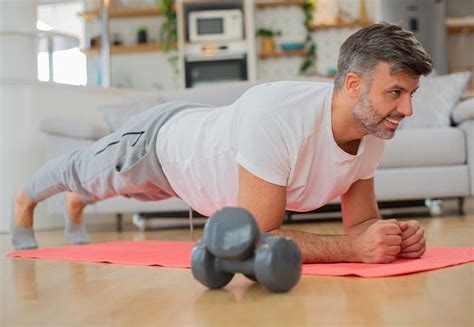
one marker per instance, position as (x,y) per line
(215,25)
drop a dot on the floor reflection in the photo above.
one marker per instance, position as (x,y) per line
(25,281)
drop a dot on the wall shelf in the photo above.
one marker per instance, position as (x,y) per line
(133,48)
(460,24)
(460,29)
(274,3)
(315,27)
(123,13)
(282,54)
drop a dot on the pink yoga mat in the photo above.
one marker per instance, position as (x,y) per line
(178,254)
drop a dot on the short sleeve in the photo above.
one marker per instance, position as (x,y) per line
(262,148)
(371,174)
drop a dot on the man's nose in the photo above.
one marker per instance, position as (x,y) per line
(406,107)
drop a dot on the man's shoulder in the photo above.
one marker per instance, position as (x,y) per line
(273,97)
(292,86)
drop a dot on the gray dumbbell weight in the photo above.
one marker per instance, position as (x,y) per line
(232,234)
(203,267)
(277,263)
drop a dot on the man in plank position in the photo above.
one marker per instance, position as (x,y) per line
(282,145)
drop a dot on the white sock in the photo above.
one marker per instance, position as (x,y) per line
(75,233)
(22,237)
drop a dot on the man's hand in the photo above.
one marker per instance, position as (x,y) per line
(413,240)
(380,242)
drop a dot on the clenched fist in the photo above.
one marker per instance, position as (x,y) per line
(413,240)
(380,243)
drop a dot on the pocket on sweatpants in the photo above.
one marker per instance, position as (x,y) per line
(130,159)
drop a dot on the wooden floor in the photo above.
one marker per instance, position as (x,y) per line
(52,293)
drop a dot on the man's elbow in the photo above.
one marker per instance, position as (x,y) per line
(269,227)
(268,223)
(352,230)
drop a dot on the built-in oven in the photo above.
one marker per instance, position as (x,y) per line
(205,70)
(215,48)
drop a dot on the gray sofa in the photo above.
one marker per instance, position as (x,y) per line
(418,163)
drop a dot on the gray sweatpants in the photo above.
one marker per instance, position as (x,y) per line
(122,163)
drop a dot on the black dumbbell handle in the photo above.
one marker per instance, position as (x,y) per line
(246,267)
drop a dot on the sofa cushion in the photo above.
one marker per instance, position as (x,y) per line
(435,100)
(407,183)
(425,147)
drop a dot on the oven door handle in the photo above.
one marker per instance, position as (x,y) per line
(215,57)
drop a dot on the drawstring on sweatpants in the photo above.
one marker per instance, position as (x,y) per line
(191,226)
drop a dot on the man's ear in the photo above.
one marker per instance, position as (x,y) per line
(353,84)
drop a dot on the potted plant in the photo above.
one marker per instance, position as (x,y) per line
(169,34)
(142,36)
(309,61)
(169,28)
(266,39)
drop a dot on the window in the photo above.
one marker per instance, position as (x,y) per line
(69,65)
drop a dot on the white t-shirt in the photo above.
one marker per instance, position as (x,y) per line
(280,132)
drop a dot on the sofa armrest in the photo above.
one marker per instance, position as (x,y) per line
(463,111)
(468,127)
(73,128)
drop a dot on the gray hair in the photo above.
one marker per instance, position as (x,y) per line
(382,42)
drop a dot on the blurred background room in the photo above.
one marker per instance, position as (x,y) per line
(72,70)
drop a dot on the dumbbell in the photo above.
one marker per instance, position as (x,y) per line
(233,243)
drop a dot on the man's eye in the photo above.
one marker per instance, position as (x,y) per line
(396,93)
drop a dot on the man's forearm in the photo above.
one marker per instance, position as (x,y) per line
(322,248)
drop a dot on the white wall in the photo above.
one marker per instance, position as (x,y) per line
(150,70)
(290,21)
(459,8)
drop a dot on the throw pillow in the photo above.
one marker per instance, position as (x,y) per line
(116,115)
(464,111)
(73,128)
(435,100)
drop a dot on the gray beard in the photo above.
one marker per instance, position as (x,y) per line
(366,115)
